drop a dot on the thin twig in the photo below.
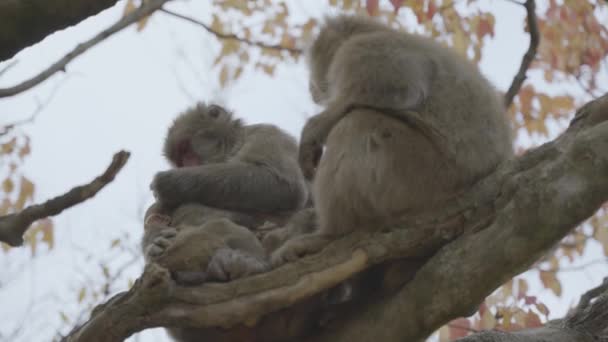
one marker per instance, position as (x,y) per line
(13,226)
(8,67)
(520,77)
(146,9)
(232,36)
(40,106)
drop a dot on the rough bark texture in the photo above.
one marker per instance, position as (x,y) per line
(586,323)
(509,220)
(26,22)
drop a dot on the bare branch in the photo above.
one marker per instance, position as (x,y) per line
(509,219)
(520,77)
(146,9)
(232,36)
(13,226)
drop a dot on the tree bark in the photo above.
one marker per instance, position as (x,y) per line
(493,232)
(27,22)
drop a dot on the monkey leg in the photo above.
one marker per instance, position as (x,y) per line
(299,247)
(230,264)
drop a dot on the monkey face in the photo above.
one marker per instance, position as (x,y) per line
(200,135)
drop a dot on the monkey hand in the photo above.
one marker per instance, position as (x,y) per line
(160,243)
(298,247)
(230,264)
(167,190)
(311,146)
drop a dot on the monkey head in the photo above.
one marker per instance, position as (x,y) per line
(321,53)
(204,133)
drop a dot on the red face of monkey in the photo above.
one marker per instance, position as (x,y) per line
(186,155)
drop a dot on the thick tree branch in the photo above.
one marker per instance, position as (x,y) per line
(146,9)
(520,77)
(510,218)
(232,36)
(23,23)
(13,226)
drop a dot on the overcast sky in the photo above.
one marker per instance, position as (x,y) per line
(123,94)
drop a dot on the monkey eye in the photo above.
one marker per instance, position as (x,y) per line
(214,111)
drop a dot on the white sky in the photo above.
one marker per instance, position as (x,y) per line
(123,94)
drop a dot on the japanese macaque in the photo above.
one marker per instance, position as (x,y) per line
(408,125)
(226,176)
(224,164)
(198,244)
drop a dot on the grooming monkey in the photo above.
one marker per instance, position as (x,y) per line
(408,124)
(225,164)
(227,177)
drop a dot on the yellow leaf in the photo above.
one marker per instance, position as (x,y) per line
(115,243)
(25,149)
(224,76)
(522,288)
(64,317)
(25,193)
(8,185)
(459,41)
(141,24)
(8,147)
(601,235)
(129,7)
(488,321)
(48,233)
(30,239)
(550,281)
(81,294)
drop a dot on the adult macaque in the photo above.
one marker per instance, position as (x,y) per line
(225,164)
(408,125)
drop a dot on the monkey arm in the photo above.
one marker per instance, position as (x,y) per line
(238,186)
(314,135)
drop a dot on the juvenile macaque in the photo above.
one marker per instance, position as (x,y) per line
(198,244)
(408,125)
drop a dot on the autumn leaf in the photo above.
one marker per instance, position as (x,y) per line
(601,235)
(459,328)
(550,281)
(372,7)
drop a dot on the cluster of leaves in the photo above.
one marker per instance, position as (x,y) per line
(18,190)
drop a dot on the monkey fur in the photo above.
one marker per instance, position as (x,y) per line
(225,164)
(408,125)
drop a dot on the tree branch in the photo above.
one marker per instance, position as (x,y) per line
(24,23)
(510,219)
(146,9)
(520,77)
(586,323)
(232,36)
(13,226)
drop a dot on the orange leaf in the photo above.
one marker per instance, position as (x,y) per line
(372,7)
(459,328)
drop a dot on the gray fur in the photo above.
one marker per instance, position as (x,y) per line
(249,168)
(408,125)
